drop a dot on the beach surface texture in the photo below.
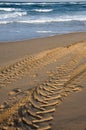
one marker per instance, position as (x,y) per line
(43,83)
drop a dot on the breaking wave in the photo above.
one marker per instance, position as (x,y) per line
(43,10)
(41,20)
(12,15)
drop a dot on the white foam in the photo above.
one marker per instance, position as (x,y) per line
(6,3)
(5,22)
(15,3)
(9,9)
(44,31)
(24,3)
(43,10)
(46,3)
(12,15)
(59,19)
(28,3)
(41,20)
(42,3)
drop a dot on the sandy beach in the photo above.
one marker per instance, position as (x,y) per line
(43,83)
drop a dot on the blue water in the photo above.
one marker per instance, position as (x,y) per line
(19,21)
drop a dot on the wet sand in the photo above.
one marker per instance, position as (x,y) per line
(32,71)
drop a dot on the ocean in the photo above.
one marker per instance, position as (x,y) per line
(20,21)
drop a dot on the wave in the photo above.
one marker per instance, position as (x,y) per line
(12,15)
(41,20)
(24,3)
(9,9)
(42,3)
(6,22)
(44,31)
(47,3)
(43,10)
(27,3)
(15,3)
(72,2)
(50,20)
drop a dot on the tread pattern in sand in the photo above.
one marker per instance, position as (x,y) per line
(37,110)
(30,64)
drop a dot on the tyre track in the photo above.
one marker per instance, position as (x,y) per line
(26,65)
(44,108)
(37,112)
(30,64)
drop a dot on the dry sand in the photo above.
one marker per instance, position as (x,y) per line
(43,83)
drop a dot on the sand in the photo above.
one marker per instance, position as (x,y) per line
(43,83)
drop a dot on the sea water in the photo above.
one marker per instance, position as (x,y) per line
(21,20)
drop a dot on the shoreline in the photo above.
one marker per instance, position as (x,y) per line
(15,50)
(44,37)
